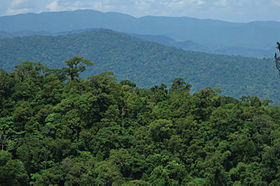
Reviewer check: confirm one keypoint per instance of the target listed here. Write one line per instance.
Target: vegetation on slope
(193, 46)
(254, 38)
(146, 63)
(167, 41)
(56, 128)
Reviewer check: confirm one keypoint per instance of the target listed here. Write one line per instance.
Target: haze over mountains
(146, 63)
(256, 39)
(54, 37)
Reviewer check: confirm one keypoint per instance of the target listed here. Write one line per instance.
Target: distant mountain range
(146, 63)
(256, 39)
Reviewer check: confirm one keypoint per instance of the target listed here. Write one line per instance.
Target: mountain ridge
(214, 34)
(146, 63)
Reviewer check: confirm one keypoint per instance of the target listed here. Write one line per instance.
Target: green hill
(146, 63)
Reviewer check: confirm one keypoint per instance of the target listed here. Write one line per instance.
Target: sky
(227, 10)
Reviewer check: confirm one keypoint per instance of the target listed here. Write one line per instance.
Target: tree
(178, 84)
(75, 65)
(277, 58)
(29, 70)
(102, 132)
(13, 173)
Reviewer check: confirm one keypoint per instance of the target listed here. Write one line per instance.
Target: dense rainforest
(146, 63)
(57, 128)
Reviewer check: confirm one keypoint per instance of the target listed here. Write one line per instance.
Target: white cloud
(53, 6)
(233, 10)
(221, 3)
(97, 6)
(200, 2)
(182, 3)
(142, 5)
(16, 7)
(16, 3)
(276, 2)
(16, 11)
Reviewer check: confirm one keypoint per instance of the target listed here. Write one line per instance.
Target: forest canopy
(56, 128)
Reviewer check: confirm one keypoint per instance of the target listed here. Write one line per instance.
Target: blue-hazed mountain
(251, 39)
(21, 34)
(186, 45)
(190, 45)
(146, 63)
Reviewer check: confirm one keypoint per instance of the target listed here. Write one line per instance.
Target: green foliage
(13, 173)
(101, 132)
(75, 65)
(277, 58)
(146, 63)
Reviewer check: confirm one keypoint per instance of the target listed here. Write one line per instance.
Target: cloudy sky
(229, 10)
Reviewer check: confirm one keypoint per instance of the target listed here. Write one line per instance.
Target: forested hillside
(146, 63)
(168, 41)
(57, 128)
(203, 47)
(250, 39)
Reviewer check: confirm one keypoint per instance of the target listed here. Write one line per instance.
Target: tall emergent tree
(277, 58)
(75, 65)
